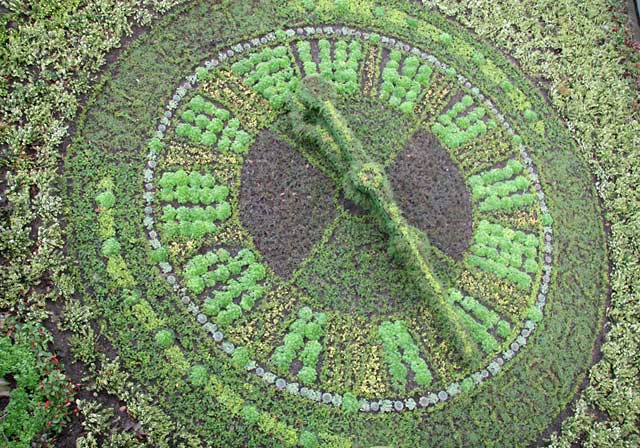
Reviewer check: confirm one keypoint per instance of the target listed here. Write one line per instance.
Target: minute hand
(365, 183)
(408, 243)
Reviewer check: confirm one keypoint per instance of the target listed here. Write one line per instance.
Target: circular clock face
(352, 230)
(263, 223)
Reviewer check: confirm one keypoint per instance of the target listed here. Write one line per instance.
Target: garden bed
(411, 254)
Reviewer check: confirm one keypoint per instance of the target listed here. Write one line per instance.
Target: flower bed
(343, 350)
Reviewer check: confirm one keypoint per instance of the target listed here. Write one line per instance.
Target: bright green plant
(240, 357)
(350, 403)
(164, 338)
(198, 375)
(110, 247)
(106, 199)
(308, 440)
(400, 349)
(302, 341)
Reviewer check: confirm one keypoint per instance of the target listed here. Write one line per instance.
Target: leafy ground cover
(206, 281)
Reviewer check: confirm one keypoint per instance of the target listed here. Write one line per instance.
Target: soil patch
(432, 194)
(285, 202)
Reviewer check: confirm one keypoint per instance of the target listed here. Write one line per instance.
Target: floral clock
(346, 219)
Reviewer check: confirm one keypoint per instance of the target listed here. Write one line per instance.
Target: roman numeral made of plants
(401, 351)
(507, 253)
(303, 343)
(235, 281)
(179, 188)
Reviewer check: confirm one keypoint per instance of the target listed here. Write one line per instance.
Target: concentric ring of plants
(329, 224)
(217, 311)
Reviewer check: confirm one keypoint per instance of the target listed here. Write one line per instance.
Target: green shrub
(110, 247)
(446, 39)
(240, 357)
(423, 376)
(503, 329)
(308, 440)
(467, 384)
(478, 58)
(530, 115)
(195, 284)
(106, 224)
(531, 266)
(309, 356)
(188, 116)
(164, 338)
(202, 121)
(198, 375)
(313, 331)
(227, 316)
(250, 414)
(159, 255)
(202, 73)
(106, 199)
(350, 403)
(307, 375)
(197, 104)
(534, 314)
(506, 86)
(118, 271)
(283, 356)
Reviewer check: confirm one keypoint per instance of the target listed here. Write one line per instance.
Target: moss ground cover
(227, 293)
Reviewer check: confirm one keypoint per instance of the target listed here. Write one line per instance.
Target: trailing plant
(39, 400)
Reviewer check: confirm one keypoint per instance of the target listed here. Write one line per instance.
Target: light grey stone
(293, 388)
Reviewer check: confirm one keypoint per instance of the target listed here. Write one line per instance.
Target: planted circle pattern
(340, 306)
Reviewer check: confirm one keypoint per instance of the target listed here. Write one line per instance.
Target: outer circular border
(399, 404)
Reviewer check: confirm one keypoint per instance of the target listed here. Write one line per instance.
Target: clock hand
(314, 117)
